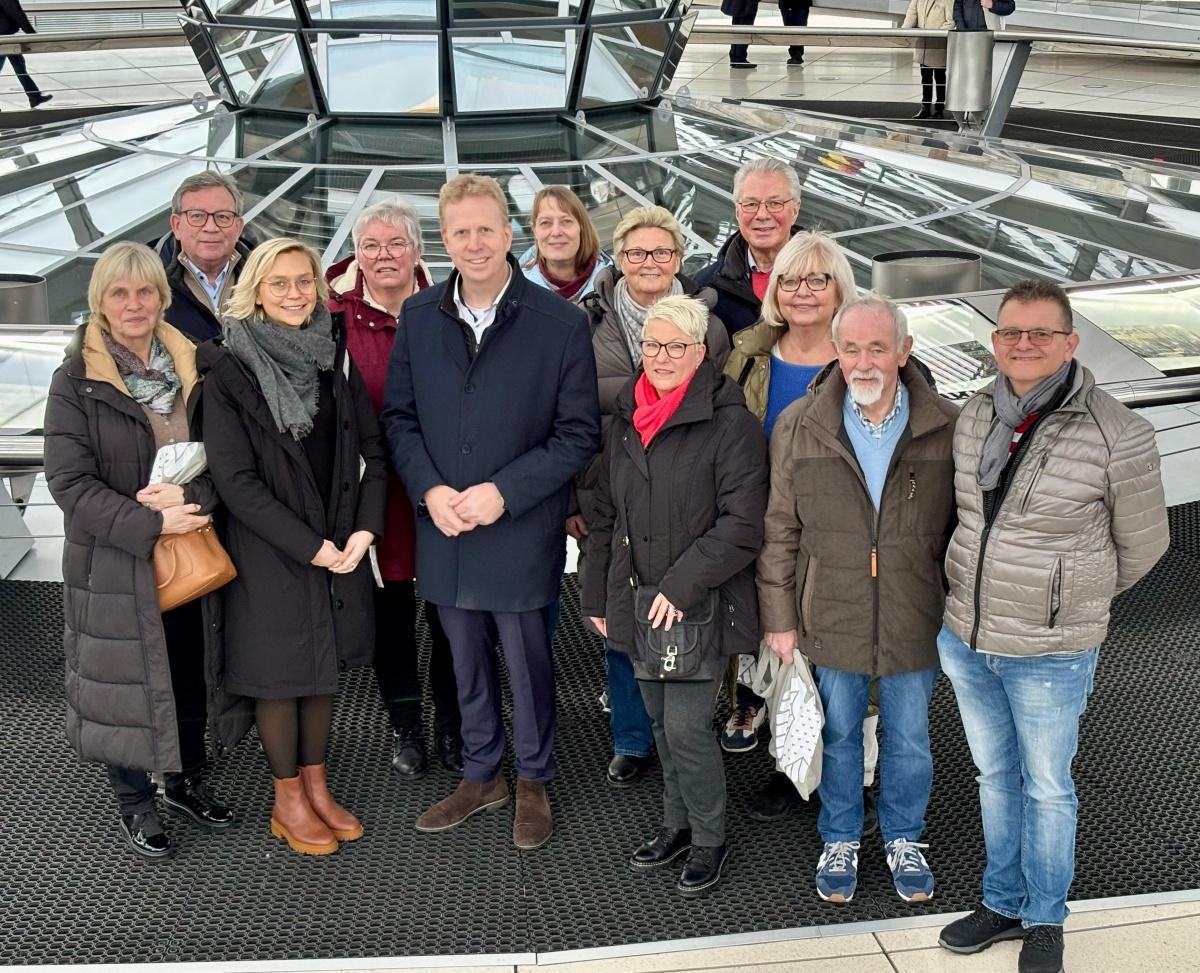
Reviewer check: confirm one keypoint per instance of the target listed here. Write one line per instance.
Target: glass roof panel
(282, 9)
(373, 9)
(135, 127)
(1158, 320)
(420, 191)
(708, 214)
(954, 340)
(606, 8)
(13, 261)
(358, 72)
(623, 62)
(21, 156)
(468, 10)
(513, 70)
(312, 209)
(264, 67)
(27, 361)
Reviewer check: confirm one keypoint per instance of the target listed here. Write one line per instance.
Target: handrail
(92, 40)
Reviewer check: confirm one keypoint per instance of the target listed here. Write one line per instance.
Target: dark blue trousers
(524, 637)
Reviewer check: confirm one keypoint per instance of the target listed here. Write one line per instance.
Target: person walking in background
(931, 15)
(1060, 508)
(12, 20)
(490, 411)
(678, 523)
(137, 694)
(566, 256)
(368, 289)
(295, 453)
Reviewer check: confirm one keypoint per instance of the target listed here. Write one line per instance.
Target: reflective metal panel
(281, 9)
(1159, 321)
(604, 8)
(264, 67)
(509, 71)
(468, 10)
(954, 340)
(378, 73)
(623, 62)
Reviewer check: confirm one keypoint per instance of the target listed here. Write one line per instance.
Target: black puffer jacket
(99, 453)
(290, 626)
(615, 366)
(685, 515)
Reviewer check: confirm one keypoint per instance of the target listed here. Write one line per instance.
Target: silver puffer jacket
(1082, 519)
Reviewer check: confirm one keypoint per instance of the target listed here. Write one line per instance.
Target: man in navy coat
(490, 410)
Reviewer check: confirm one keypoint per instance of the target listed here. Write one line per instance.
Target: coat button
(469, 387)
(466, 449)
(339, 604)
(88, 389)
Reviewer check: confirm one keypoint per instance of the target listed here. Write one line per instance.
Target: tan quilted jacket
(1082, 519)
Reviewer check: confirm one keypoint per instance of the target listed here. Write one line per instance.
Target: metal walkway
(70, 892)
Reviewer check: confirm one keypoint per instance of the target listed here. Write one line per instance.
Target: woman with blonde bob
(677, 526)
(135, 676)
(286, 419)
(566, 256)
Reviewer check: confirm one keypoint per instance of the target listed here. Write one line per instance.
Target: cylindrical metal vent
(924, 273)
(969, 70)
(23, 299)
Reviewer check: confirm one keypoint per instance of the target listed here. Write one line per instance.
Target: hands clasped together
(455, 512)
(177, 517)
(346, 560)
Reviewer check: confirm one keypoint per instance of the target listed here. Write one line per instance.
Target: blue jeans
(632, 733)
(905, 763)
(1021, 716)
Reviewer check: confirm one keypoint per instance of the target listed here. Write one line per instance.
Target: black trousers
(933, 80)
(18, 63)
(794, 17)
(740, 52)
(396, 667)
(184, 631)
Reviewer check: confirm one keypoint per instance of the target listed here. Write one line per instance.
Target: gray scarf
(1010, 413)
(286, 361)
(152, 384)
(632, 316)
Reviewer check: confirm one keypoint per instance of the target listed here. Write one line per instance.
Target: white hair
(688, 314)
(875, 304)
(767, 167)
(393, 213)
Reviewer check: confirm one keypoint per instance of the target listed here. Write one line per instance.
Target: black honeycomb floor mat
(70, 892)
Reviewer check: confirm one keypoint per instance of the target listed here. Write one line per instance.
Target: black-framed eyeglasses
(814, 282)
(199, 217)
(675, 349)
(371, 249)
(773, 205)
(1037, 336)
(660, 255)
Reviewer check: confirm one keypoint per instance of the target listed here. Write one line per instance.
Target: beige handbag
(187, 566)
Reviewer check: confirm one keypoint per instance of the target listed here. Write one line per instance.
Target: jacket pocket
(806, 595)
(1054, 602)
(1033, 481)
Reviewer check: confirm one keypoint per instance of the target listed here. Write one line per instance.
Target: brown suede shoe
(469, 798)
(533, 824)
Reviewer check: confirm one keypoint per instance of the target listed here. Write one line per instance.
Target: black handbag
(681, 652)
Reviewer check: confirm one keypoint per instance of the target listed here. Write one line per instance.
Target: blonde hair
(643, 218)
(688, 314)
(809, 253)
(568, 202)
(243, 301)
(134, 261)
(469, 184)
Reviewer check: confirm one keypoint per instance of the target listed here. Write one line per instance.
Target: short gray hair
(208, 180)
(874, 304)
(688, 314)
(767, 167)
(393, 213)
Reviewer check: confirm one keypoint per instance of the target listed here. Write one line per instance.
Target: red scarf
(568, 289)
(653, 410)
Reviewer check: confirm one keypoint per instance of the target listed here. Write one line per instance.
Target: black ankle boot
(449, 751)
(146, 835)
(408, 754)
(191, 797)
(662, 849)
(939, 111)
(926, 111)
(702, 871)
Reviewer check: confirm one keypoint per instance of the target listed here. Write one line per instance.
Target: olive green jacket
(749, 363)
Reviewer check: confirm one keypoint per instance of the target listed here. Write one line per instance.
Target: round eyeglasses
(280, 286)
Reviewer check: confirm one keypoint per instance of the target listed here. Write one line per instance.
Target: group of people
(752, 460)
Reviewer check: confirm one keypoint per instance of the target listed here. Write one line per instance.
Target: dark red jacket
(370, 332)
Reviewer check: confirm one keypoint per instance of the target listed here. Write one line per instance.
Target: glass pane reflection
(264, 67)
(606, 8)
(386, 73)
(1159, 321)
(623, 62)
(513, 9)
(254, 8)
(373, 9)
(26, 363)
(313, 209)
(514, 71)
(954, 340)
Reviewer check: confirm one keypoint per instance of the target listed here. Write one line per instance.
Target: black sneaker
(192, 798)
(775, 800)
(977, 931)
(1042, 951)
(449, 751)
(146, 835)
(408, 754)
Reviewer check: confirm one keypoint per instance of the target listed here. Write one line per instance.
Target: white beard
(866, 394)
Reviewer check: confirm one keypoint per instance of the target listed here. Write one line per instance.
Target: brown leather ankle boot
(468, 798)
(533, 824)
(344, 825)
(294, 820)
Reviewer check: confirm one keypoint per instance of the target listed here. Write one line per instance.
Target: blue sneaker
(837, 871)
(910, 872)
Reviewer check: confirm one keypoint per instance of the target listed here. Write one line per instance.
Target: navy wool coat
(522, 412)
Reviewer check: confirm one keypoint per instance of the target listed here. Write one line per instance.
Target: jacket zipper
(1037, 474)
(1056, 585)
(990, 519)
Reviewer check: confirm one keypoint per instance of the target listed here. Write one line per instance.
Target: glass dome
(437, 57)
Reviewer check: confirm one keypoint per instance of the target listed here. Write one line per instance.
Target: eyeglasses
(815, 282)
(1037, 336)
(749, 206)
(371, 249)
(675, 349)
(199, 217)
(279, 286)
(661, 255)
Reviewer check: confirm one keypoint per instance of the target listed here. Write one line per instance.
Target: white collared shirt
(479, 320)
(212, 289)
